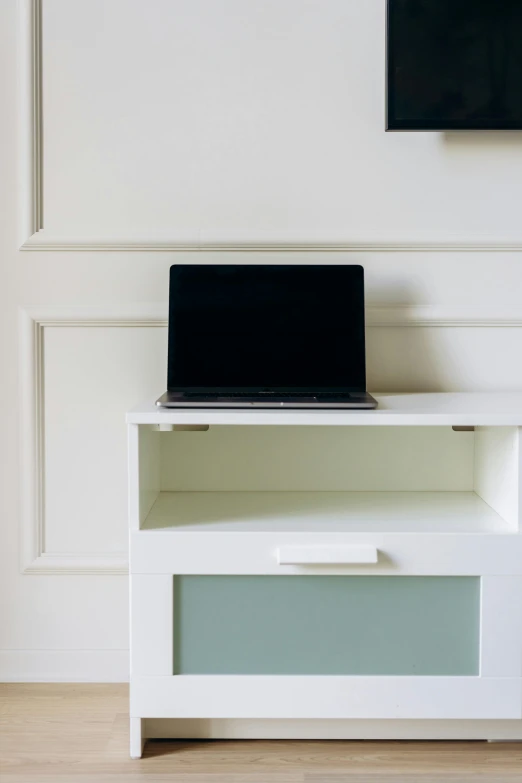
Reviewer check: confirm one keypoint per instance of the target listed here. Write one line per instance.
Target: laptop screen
(281, 328)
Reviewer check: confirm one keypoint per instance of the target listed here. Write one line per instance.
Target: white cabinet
(327, 566)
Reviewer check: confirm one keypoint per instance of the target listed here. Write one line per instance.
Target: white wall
(158, 128)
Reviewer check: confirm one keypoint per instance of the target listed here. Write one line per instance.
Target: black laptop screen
(266, 327)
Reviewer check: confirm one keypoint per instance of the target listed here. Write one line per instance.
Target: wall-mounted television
(454, 65)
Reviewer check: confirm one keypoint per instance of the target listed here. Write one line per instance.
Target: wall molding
(31, 125)
(33, 236)
(441, 316)
(33, 322)
(385, 315)
(41, 242)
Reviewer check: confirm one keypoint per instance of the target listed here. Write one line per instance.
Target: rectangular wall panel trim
(32, 216)
(34, 557)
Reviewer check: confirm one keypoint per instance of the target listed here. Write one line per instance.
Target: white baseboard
(64, 665)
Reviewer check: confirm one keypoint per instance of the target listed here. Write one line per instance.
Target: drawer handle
(327, 555)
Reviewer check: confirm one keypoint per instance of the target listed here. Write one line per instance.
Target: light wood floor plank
(79, 733)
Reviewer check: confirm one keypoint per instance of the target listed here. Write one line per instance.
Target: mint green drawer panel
(360, 625)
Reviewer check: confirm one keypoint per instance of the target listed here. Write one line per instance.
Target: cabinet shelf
(321, 512)
(436, 409)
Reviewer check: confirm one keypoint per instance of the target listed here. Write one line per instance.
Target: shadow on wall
(409, 358)
(497, 141)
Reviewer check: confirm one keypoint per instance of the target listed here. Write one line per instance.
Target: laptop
(266, 336)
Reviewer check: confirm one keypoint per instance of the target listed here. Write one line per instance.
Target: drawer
(336, 646)
(158, 552)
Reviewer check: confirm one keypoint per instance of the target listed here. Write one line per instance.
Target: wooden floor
(79, 733)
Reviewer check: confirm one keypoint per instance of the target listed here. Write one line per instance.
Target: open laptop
(285, 336)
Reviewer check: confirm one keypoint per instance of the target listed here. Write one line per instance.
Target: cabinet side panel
(149, 468)
(497, 470)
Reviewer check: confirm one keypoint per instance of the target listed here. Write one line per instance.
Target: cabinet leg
(137, 737)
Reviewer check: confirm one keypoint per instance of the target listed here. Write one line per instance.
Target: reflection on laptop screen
(266, 327)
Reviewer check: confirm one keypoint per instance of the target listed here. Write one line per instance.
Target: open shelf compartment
(329, 479)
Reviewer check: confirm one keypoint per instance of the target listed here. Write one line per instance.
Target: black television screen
(454, 65)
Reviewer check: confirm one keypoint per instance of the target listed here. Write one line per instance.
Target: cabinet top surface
(442, 409)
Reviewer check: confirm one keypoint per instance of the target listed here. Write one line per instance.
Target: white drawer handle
(327, 555)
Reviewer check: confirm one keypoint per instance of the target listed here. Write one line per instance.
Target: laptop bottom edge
(359, 401)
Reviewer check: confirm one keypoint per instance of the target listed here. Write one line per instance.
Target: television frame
(392, 124)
